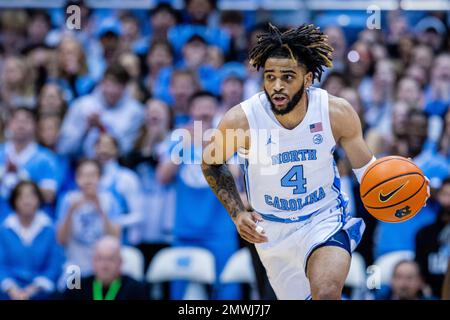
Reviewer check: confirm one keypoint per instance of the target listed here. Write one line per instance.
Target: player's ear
(308, 79)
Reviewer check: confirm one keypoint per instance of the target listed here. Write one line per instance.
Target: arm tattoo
(222, 182)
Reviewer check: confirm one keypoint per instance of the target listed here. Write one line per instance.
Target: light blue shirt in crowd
(87, 227)
(122, 121)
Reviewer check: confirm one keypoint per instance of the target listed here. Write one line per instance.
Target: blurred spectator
(195, 54)
(446, 284)
(334, 83)
(417, 73)
(417, 138)
(407, 282)
(108, 33)
(183, 85)
(107, 281)
(13, 25)
(51, 100)
(233, 76)
(394, 140)
(370, 37)
(432, 32)
(40, 59)
(38, 27)
(434, 161)
(48, 129)
(158, 203)
(85, 215)
(432, 242)
(30, 259)
(72, 71)
(444, 143)
(437, 94)
(21, 158)
(232, 21)
(17, 87)
(123, 184)
(409, 91)
(215, 57)
(159, 56)
(131, 38)
(136, 86)
(85, 34)
(205, 224)
(378, 95)
(162, 18)
(110, 108)
(201, 12)
(398, 26)
(337, 40)
(405, 49)
(422, 56)
(360, 67)
(2, 127)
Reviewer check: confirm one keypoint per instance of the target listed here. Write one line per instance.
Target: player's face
(284, 83)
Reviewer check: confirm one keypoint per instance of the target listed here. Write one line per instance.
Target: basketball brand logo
(318, 139)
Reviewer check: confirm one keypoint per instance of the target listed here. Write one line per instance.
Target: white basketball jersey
(291, 173)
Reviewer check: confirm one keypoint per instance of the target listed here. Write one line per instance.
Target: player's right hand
(246, 223)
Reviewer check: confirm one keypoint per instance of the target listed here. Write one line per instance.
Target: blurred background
(90, 92)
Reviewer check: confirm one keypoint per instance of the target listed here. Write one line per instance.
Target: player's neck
(296, 116)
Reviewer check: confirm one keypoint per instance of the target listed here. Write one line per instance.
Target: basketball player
(298, 219)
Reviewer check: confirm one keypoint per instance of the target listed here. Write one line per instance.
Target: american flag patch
(315, 127)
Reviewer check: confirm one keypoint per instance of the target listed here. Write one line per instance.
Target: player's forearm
(222, 182)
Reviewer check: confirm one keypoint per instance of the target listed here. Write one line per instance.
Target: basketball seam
(402, 175)
(393, 205)
(399, 158)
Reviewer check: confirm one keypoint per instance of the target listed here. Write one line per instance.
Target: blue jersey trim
(271, 217)
(246, 180)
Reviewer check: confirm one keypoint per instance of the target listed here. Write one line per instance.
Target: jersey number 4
(294, 178)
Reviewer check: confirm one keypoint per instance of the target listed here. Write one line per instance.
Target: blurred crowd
(86, 117)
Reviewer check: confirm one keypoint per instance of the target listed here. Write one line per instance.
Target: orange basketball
(393, 189)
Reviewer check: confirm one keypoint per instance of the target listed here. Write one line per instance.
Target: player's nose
(278, 87)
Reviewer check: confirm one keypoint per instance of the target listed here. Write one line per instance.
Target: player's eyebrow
(282, 71)
(288, 71)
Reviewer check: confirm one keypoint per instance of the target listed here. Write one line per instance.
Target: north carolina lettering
(294, 204)
(295, 156)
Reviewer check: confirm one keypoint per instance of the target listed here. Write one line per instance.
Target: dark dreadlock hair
(305, 44)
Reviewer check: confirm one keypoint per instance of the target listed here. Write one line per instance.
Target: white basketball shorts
(290, 243)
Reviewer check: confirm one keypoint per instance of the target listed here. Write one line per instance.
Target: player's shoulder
(235, 118)
(339, 107)
(343, 117)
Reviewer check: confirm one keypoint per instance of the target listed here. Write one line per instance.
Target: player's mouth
(279, 99)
